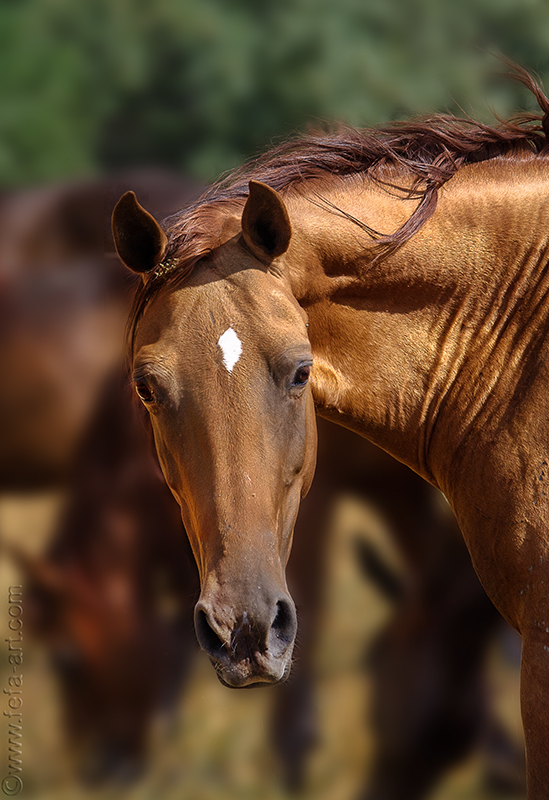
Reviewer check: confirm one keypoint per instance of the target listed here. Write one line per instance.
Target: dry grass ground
(219, 749)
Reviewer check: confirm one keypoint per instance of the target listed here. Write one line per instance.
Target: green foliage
(200, 85)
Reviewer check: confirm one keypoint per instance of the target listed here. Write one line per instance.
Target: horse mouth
(251, 675)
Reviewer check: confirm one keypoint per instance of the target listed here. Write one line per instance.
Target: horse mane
(427, 151)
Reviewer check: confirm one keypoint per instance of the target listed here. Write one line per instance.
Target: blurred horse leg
(430, 705)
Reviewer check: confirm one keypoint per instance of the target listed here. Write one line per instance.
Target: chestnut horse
(408, 265)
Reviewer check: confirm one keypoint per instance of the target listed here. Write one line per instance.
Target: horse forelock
(192, 233)
(414, 158)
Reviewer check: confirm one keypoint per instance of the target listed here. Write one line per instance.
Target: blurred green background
(199, 85)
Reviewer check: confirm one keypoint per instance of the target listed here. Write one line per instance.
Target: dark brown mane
(428, 151)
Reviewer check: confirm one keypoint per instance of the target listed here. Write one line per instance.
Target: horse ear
(138, 238)
(265, 223)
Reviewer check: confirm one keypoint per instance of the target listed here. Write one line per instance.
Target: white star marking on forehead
(231, 347)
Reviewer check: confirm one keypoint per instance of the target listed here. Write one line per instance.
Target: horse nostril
(273, 630)
(207, 637)
(283, 627)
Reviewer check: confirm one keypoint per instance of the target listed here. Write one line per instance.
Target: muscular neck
(416, 351)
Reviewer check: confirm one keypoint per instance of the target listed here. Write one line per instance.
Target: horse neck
(415, 350)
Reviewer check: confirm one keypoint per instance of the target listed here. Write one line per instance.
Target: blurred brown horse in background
(430, 340)
(112, 596)
(64, 299)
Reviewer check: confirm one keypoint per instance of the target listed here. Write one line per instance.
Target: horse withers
(409, 265)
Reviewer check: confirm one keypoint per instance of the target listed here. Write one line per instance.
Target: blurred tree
(200, 86)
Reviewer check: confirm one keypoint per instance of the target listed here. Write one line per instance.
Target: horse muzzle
(252, 647)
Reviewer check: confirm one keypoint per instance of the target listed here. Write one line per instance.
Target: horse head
(221, 361)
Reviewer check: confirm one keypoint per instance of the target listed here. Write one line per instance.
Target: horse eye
(143, 392)
(301, 376)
